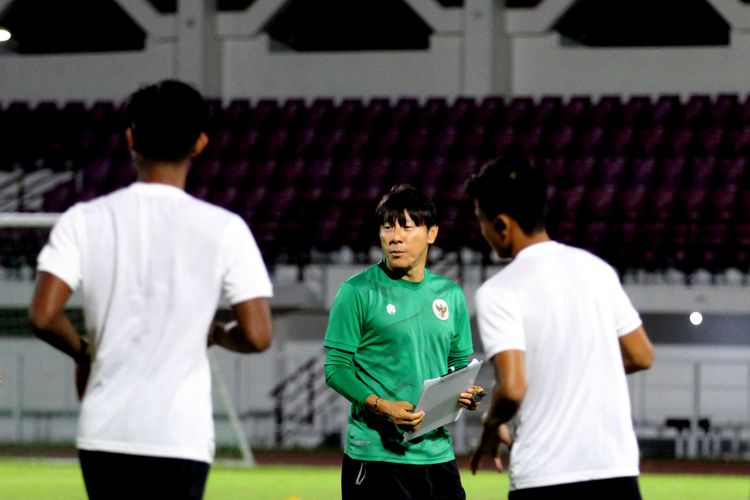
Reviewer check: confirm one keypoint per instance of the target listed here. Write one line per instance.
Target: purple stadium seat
(96, 175)
(599, 202)
(580, 170)
(219, 145)
(263, 113)
(695, 110)
(595, 238)
(274, 144)
(630, 202)
(201, 192)
(232, 173)
(699, 171)
(289, 172)
(738, 241)
(519, 111)
(723, 110)
(501, 141)
(250, 196)
(669, 171)
(529, 141)
(317, 172)
(236, 114)
(664, 109)
(730, 171)
(678, 141)
(223, 196)
(491, 112)
(636, 110)
(569, 201)
(610, 170)
(689, 204)
(576, 109)
(660, 203)
(720, 203)
(606, 109)
(320, 114)
(348, 113)
(557, 141)
(204, 172)
(345, 173)
(648, 141)
(123, 174)
(653, 254)
(330, 142)
(708, 141)
(588, 140)
(553, 169)
(737, 141)
(618, 141)
(292, 113)
(245, 141)
(260, 172)
(548, 111)
(461, 112)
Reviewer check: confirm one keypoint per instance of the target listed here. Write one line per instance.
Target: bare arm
(252, 332)
(637, 351)
(48, 320)
(507, 396)
(510, 387)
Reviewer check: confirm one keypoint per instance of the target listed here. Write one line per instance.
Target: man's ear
(129, 137)
(200, 144)
(432, 233)
(502, 224)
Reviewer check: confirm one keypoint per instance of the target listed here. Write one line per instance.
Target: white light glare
(4, 35)
(696, 318)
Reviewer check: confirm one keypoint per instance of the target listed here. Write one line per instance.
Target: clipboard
(439, 398)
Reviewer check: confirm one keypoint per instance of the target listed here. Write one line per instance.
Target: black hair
(405, 198)
(166, 119)
(510, 186)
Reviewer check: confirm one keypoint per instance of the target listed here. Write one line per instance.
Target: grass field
(61, 480)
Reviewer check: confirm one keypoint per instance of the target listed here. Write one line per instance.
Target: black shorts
(115, 476)
(616, 488)
(365, 480)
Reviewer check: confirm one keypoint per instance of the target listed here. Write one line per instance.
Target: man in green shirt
(391, 327)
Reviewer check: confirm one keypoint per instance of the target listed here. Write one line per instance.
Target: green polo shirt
(400, 333)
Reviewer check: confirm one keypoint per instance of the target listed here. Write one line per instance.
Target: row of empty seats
(66, 135)
(632, 179)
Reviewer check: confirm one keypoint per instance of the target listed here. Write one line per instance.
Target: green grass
(61, 480)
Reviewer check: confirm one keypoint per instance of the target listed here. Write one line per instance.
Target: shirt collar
(542, 248)
(156, 188)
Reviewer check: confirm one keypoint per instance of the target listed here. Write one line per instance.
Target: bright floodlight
(4, 35)
(696, 318)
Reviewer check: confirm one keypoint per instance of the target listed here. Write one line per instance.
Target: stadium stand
(665, 174)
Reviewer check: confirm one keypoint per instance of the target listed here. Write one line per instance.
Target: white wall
(511, 52)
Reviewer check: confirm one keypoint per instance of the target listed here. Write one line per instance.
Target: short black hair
(510, 186)
(405, 198)
(166, 119)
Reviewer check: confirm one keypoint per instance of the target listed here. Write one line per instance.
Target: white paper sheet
(439, 398)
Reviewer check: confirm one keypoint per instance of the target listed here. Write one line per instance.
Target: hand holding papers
(439, 398)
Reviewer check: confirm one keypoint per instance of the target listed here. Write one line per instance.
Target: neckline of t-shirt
(157, 187)
(400, 281)
(538, 248)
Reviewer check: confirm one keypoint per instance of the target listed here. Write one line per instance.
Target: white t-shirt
(152, 263)
(566, 309)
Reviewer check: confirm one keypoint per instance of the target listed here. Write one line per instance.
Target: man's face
(405, 247)
(498, 241)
